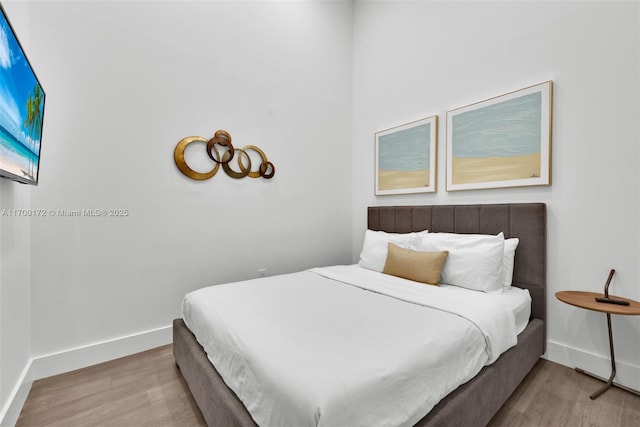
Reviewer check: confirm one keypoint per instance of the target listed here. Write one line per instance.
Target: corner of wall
(10, 412)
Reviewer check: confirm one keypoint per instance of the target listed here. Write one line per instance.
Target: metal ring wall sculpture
(221, 144)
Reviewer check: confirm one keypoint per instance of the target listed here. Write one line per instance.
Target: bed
(471, 404)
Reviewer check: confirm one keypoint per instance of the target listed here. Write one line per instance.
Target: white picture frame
(503, 141)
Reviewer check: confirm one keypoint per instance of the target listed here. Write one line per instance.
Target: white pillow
(374, 248)
(510, 246)
(474, 261)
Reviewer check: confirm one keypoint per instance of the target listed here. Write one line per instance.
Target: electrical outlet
(262, 272)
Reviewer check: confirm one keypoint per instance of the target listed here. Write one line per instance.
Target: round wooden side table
(587, 300)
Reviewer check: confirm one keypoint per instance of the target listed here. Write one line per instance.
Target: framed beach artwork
(501, 142)
(406, 158)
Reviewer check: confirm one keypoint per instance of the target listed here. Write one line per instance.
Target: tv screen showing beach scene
(21, 110)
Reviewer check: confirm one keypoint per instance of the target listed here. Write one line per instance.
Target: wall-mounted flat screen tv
(21, 110)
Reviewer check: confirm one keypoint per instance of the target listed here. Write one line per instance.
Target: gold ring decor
(257, 173)
(243, 171)
(264, 167)
(222, 138)
(178, 155)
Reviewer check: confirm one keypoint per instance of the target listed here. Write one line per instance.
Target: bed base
(472, 404)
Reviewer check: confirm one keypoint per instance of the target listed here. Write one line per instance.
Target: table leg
(608, 382)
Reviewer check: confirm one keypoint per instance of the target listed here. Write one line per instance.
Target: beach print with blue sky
(498, 142)
(404, 157)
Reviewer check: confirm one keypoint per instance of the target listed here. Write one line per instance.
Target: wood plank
(145, 389)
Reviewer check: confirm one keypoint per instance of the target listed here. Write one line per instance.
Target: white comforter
(344, 346)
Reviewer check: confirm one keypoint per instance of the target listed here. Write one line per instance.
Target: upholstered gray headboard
(527, 221)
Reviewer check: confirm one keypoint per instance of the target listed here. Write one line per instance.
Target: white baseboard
(77, 358)
(627, 374)
(10, 413)
(92, 354)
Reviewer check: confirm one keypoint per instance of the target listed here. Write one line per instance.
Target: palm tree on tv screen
(33, 121)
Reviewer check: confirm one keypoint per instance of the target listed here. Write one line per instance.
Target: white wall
(125, 81)
(15, 270)
(416, 59)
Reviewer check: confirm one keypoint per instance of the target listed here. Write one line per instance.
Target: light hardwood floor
(147, 389)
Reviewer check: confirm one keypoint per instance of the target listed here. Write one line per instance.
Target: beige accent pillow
(418, 266)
